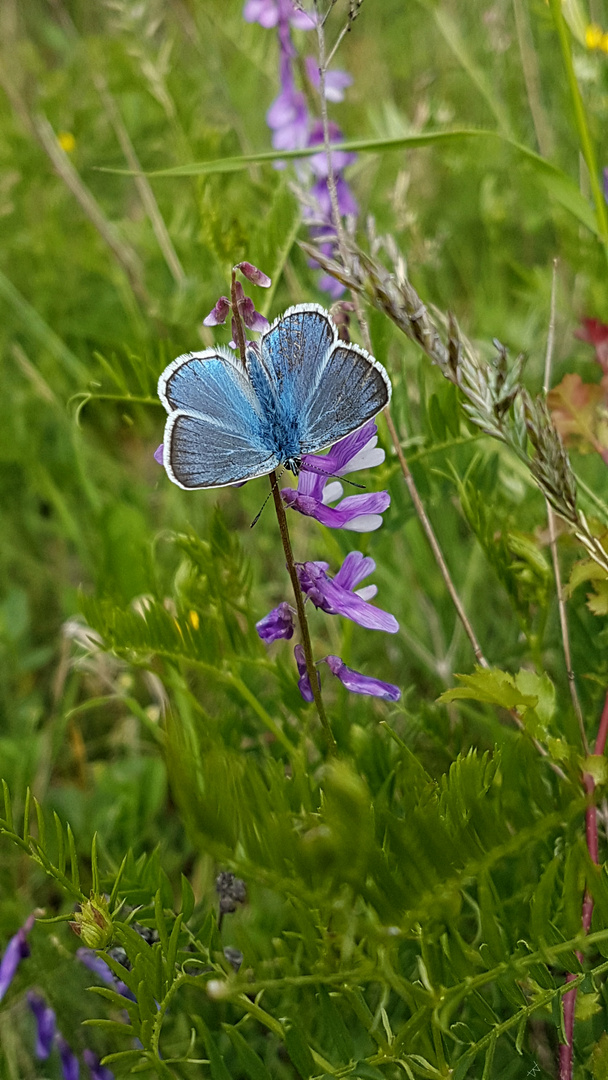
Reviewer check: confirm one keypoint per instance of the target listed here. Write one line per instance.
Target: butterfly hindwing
(198, 454)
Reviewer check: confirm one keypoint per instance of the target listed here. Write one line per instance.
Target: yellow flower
(194, 620)
(604, 43)
(66, 141)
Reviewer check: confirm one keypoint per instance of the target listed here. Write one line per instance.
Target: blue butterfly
(300, 391)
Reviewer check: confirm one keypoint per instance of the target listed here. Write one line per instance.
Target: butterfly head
(294, 464)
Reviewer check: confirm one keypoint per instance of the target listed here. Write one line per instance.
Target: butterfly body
(300, 390)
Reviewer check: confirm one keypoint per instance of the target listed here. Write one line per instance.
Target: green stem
(586, 145)
(311, 670)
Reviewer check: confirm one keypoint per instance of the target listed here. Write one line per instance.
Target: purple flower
(257, 277)
(267, 13)
(70, 1069)
(287, 118)
(304, 682)
(99, 967)
(357, 513)
(158, 454)
(277, 624)
(352, 680)
(335, 81)
(361, 684)
(339, 158)
(45, 1024)
(217, 315)
(98, 1072)
(336, 595)
(249, 315)
(16, 951)
(347, 204)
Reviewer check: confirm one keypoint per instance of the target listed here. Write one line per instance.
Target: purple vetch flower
(267, 13)
(336, 82)
(352, 680)
(251, 272)
(218, 314)
(337, 596)
(357, 513)
(249, 315)
(277, 624)
(347, 204)
(70, 1069)
(97, 1071)
(304, 682)
(287, 118)
(16, 950)
(361, 684)
(339, 158)
(45, 1024)
(99, 967)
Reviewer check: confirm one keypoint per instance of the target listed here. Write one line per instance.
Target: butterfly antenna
(261, 510)
(332, 476)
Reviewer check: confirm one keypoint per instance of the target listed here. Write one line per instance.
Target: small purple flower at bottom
(352, 680)
(97, 1071)
(16, 950)
(337, 596)
(70, 1069)
(304, 682)
(277, 624)
(45, 1024)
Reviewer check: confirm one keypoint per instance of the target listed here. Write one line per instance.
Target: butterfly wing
(216, 433)
(350, 390)
(322, 387)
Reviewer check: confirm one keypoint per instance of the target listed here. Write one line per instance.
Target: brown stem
(311, 671)
(237, 322)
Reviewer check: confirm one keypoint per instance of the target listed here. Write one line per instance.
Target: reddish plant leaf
(580, 413)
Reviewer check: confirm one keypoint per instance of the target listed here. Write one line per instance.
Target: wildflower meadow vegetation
(304, 778)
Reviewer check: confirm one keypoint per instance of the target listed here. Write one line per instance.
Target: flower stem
(311, 671)
(237, 322)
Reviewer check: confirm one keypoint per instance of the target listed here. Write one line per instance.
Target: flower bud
(93, 923)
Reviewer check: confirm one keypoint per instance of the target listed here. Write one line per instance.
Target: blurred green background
(104, 278)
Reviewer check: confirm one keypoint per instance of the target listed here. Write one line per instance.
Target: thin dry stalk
(561, 602)
(141, 181)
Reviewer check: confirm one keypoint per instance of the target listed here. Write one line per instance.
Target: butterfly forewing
(352, 389)
(216, 433)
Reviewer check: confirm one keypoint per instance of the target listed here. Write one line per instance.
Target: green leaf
(187, 899)
(298, 1049)
(216, 1061)
(560, 186)
(251, 1064)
